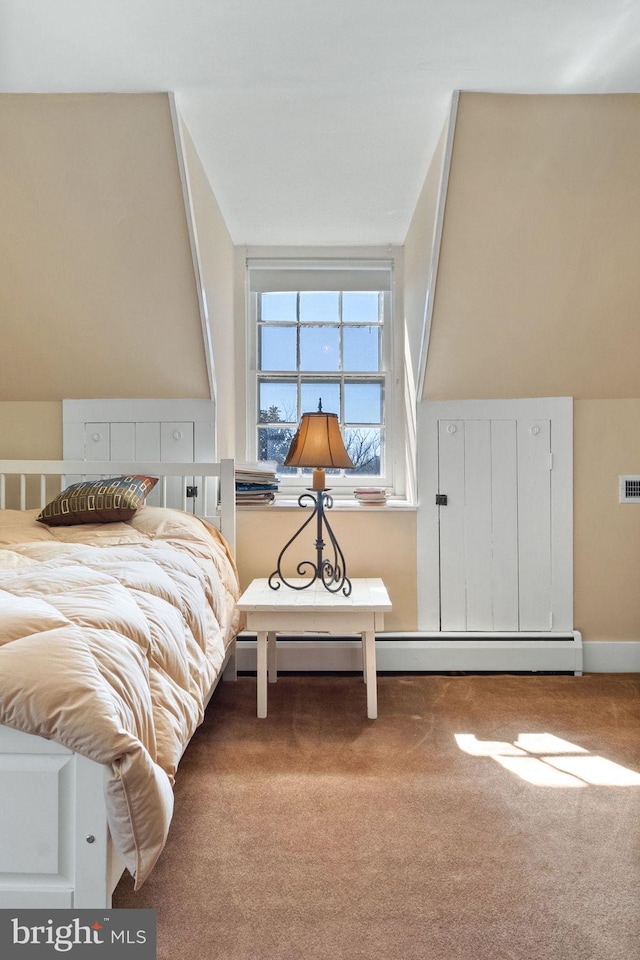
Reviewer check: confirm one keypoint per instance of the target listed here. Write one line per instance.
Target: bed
(113, 636)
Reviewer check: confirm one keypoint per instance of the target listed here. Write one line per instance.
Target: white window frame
(393, 478)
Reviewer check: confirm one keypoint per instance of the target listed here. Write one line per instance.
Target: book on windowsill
(253, 498)
(256, 482)
(371, 496)
(259, 471)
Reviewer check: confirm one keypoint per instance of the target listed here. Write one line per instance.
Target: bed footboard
(55, 849)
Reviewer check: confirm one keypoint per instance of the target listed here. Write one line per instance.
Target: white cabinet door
(138, 431)
(495, 534)
(497, 557)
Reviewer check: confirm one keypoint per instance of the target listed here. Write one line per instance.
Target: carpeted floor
(472, 819)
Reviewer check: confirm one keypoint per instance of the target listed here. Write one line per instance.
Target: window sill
(291, 503)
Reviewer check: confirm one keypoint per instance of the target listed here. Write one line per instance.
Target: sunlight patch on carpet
(555, 762)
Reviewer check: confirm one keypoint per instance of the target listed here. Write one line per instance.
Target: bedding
(111, 637)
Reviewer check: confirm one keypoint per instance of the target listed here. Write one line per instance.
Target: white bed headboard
(215, 483)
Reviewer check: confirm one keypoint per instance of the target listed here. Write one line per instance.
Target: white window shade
(267, 276)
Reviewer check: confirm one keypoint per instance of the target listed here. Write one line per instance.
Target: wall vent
(629, 489)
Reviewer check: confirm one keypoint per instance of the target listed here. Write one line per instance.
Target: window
(321, 334)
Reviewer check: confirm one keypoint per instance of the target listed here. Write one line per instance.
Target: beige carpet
(317, 834)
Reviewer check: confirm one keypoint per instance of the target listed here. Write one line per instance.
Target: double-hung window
(321, 338)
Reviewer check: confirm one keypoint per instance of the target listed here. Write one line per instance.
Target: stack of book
(256, 482)
(371, 496)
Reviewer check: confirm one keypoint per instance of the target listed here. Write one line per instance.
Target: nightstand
(315, 610)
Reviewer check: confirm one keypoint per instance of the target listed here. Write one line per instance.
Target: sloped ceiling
(97, 292)
(316, 119)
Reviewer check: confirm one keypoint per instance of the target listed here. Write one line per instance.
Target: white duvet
(111, 636)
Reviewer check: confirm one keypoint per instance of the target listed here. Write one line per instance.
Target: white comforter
(110, 639)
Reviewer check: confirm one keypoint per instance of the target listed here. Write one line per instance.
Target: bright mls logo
(104, 934)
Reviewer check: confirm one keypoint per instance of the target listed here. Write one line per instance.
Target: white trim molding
(437, 244)
(428, 653)
(612, 656)
(194, 243)
(419, 653)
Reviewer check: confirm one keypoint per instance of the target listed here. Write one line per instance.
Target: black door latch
(441, 499)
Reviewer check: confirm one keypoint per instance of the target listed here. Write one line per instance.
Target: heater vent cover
(630, 489)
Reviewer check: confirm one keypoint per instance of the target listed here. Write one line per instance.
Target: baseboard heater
(422, 652)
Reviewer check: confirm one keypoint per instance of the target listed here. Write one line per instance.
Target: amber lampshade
(318, 443)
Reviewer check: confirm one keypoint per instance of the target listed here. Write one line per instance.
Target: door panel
(123, 441)
(499, 556)
(495, 531)
(534, 524)
(176, 442)
(477, 524)
(148, 441)
(504, 514)
(170, 442)
(97, 441)
(451, 481)
(147, 447)
(176, 446)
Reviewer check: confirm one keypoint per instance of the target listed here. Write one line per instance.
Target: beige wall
(97, 292)
(538, 286)
(538, 294)
(91, 193)
(30, 430)
(607, 533)
(374, 544)
(217, 262)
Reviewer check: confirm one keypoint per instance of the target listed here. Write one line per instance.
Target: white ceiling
(316, 119)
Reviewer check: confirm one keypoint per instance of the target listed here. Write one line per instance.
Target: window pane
(278, 402)
(319, 348)
(319, 345)
(363, 446)
(363, 402)
(360, 307)
(277, 307)
(361, 348)
(312, 391)
(273, 444)
(319, 307)
(277, 348)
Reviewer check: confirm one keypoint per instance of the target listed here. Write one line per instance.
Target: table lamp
(317, 443)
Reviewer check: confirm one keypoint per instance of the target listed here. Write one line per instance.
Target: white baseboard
(403, 654)
(611, 656)
(443, 653)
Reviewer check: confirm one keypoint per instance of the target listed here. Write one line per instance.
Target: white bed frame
(55, 848)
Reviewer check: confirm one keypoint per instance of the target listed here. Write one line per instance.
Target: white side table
(315, 610)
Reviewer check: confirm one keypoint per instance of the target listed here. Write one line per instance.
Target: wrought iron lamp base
(332, 573)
